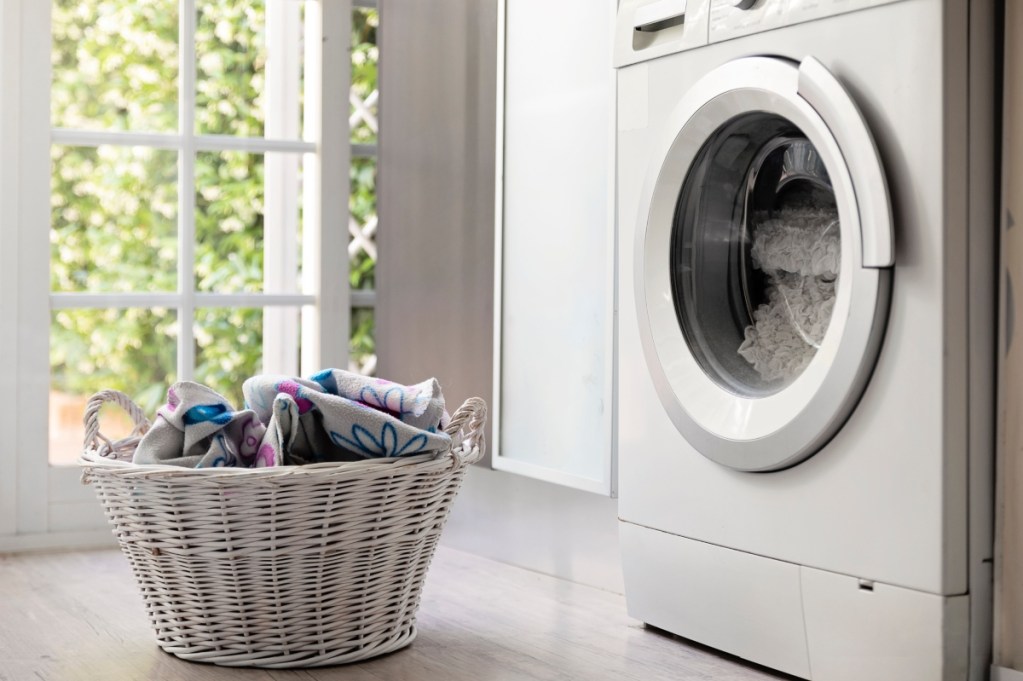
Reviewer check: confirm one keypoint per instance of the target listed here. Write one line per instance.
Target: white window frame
(43, 506)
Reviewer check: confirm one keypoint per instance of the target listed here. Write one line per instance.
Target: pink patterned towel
(333, 416)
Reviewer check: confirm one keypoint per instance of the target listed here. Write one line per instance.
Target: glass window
(115, 65)
(114, 215)
(177, 197)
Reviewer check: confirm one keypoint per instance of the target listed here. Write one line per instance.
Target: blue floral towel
(337, 415)
(198, 428)
(333, 416)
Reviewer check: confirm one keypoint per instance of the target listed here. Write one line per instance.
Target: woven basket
(297, 566)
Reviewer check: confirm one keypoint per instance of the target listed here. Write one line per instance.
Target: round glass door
(755, 254)
(762, 262)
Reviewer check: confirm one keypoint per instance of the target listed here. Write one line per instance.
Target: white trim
(1005, 674)
(251, 144)
(64, 301)
(326, 329)
(495, 401)
(156, 140)
(553, 475)
(253, 299)
(281, 185)
(364, 151)
(45, 541)
(611, 342)
(9, 248)
(363, 298)
(96, 138)
(186, 192)
(33, 321)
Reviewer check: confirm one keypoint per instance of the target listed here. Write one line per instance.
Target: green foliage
(93, 351)
(115, 64)
(114, 219)
(362, 203)
(365, 58)
(362, 332)
(115, 209)
(228, 344)
(230, 47)
(229, 222)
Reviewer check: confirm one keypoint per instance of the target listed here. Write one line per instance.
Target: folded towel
(198, 428)
(337, 416)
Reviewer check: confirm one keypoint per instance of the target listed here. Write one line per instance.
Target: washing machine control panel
(735, 18)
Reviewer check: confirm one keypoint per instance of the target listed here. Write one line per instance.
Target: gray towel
(338, 415)
(198, 428)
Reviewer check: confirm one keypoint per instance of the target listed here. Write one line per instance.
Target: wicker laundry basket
(297, 566)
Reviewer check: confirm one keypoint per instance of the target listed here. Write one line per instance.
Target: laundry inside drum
(755, 254)
(798, 250)
(792, 232)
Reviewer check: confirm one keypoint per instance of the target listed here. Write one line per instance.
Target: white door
(764, 262)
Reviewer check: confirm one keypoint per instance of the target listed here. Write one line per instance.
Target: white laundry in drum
(799, 252)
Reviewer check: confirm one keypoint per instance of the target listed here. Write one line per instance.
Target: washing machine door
(764, 258)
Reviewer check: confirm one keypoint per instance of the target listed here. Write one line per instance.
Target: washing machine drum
(763, 262)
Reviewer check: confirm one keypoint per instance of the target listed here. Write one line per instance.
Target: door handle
(827, 96)
(657, 15)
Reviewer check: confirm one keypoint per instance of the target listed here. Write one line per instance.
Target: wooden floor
(76, 616)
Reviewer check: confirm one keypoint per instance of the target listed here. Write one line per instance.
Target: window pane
(114, 219)
(115, 64)
(362, 203)
(249, 68)
(229, 349)
(132, 350)
(247, 222)
(362, 348)
(362, 114)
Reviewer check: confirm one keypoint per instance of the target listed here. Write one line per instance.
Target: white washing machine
(806, 216)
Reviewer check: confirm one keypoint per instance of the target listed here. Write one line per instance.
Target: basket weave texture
(297, 566)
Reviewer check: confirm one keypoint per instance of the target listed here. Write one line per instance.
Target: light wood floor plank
(77, 617)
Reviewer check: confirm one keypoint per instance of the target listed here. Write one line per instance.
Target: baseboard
(1005, 674)
(57, 541)
(539, 526)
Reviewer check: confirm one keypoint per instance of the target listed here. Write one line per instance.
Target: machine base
(811, 623)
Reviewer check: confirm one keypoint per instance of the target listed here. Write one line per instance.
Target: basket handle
(102, 444)
(469, 420)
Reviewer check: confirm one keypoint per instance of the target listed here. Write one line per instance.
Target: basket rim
(90, 459)
(465, 429)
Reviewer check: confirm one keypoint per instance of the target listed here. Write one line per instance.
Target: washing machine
(806, 196)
